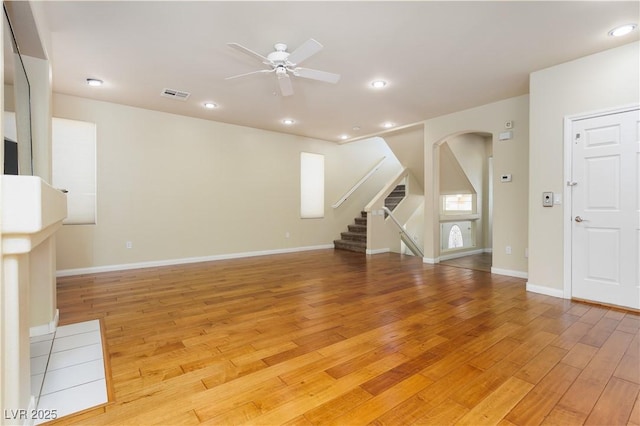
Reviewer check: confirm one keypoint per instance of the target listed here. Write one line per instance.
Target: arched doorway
(464, 193)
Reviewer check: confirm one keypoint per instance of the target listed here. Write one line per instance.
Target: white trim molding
(430, 260)
(460, 254)
(170, 262)
(378, 251)
(509, 273)
(547, 291)
(41, 330)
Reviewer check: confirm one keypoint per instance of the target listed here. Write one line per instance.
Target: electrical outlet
(507, 250)
(129, 244)
(547, 199)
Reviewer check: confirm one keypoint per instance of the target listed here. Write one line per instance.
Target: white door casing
(605, 208)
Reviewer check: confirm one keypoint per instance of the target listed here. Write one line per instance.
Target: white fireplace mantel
(32, 211)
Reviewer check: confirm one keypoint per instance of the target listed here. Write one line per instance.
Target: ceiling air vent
(175, 94)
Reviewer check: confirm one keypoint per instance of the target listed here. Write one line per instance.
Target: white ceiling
(438, 57)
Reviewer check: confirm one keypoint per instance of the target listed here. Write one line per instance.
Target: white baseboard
(433, 260)
(41, 330)
(460, 254)
(547, 291)
(170, 262)
(509, 273)
(378, 251)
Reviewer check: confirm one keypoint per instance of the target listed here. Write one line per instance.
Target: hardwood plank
(585, 391)
(494, 354)
(561, 417)
(447, 413)
(537, 404)
(397, 374)
(615, 404)
(239, 415)
(423, 405)
(630, 324)
(541, 364)
(634, 417)
(600, 332)
(336, 407)
(331, 337)
(572, 335)
(580, 355)
(629, 367)
(383, 402)
(484, 384)
(495, 406)
(593, 315)
(530, 347)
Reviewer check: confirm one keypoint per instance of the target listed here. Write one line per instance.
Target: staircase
(355, 239)
(394, 198)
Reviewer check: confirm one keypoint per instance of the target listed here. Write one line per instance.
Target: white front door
(605, 262)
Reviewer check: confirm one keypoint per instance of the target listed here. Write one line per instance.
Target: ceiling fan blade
(249, 52)
(328, 77)
(249, 73)
(286, 88)
(307, 49)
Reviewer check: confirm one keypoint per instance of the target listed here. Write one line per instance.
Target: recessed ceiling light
(388, 125)
(288, 121)
(344, 137)
(210, 105)
(622, 30)
(94, 82)
(356, 128)
(378, 84)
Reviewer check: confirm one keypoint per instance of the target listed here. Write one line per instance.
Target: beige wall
(510, 218)
(453, 177)
(185, 188)
(605, 80)
(408, 145)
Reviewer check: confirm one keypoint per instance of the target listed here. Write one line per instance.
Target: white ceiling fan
(283, 64)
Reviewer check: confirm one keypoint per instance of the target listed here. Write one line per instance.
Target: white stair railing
(357, 185)
(404, 236)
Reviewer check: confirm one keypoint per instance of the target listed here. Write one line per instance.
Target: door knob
(579, 219)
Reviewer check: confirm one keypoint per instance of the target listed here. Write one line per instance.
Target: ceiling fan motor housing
(278, 57)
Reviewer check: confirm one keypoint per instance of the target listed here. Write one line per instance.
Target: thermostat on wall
(504, 136)
(505, 178)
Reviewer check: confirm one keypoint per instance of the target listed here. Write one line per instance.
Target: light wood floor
(335, 337)
(479, 262)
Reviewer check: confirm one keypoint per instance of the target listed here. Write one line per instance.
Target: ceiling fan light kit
(285, 64)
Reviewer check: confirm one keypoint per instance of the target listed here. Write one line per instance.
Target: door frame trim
(567, 211)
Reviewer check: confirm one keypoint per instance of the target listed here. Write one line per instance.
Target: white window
(311, 185)
(74, 167)
(457, 203)
(455, 237)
